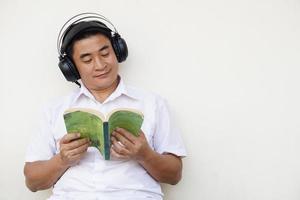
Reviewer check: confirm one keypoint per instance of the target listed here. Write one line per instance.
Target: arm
(42, 175)
(165, 168)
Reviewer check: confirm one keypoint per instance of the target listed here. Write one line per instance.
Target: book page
(129, 119)
(89, 110)
(88, 125)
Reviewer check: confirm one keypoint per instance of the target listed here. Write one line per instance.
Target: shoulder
(56, 105)
(61, 101)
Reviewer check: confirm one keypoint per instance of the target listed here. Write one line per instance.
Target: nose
(99, 64)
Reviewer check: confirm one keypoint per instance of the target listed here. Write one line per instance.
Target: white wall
(230, 70)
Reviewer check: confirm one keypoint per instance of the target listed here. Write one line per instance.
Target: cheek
(115, 70)
(84, 71)
(114, 65)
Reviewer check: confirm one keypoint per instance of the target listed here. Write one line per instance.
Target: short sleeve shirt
(96, 178)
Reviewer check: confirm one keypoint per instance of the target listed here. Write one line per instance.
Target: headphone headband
(78, 18)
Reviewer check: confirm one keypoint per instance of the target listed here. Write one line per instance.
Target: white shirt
(96, 178)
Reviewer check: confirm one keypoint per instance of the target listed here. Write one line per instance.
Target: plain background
(229, 69)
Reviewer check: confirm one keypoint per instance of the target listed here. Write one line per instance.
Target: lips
(102, 75)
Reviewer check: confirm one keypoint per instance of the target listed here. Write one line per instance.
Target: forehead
(90, 43)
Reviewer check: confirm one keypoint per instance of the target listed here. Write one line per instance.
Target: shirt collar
(122, 89)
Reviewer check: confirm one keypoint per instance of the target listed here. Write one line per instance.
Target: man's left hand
(127, 146)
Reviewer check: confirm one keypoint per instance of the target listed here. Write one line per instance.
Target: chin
(104, 83)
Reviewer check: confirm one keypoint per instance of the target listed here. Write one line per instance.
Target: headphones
(77, 25)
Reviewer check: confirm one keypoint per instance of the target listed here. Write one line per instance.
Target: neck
(101, 94)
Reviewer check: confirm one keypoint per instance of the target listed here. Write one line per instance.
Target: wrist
(60, 163)
(147, 156)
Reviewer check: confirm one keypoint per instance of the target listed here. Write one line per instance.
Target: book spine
(106, 141)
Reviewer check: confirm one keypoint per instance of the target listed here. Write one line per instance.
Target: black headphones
(84, 22)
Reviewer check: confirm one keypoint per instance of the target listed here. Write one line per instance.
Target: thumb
(69, 137)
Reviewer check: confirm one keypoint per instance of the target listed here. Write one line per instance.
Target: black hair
(86, 34)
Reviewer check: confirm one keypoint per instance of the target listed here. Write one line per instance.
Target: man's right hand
(72, 148)
(44, 174)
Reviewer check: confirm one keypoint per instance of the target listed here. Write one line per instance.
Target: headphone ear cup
(68, 69)
(120, 48)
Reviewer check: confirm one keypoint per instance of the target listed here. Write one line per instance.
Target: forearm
(42, 175)
(165, 168)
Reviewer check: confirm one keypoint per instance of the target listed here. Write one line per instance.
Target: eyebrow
(87, 54)
(103, 48)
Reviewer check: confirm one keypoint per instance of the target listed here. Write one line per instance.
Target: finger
(69, 155)
(69, 137)
(119, 148)
(117, 143)
(114, 140)
(73, 144)
(127, 143)
(76, 157)
(114, 154)
(77, 143)
(126, 134)
(79, 150)
(142, 134)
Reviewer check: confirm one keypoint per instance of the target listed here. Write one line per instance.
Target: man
(67, 163)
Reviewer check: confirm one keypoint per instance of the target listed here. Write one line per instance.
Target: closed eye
(105, 55)
(87, 61)
(104, 51)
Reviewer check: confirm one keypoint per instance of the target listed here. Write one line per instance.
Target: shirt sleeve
(42, 145)
(167, 138)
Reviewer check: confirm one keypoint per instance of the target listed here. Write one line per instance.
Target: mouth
(103, 75)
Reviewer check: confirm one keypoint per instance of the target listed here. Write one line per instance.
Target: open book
(98, 128)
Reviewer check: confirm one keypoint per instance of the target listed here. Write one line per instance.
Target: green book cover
(94, 125)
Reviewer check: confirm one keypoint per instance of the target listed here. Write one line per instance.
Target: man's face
(96, 62)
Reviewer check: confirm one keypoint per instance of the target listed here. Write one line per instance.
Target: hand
(127, 146)
(72, 148)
